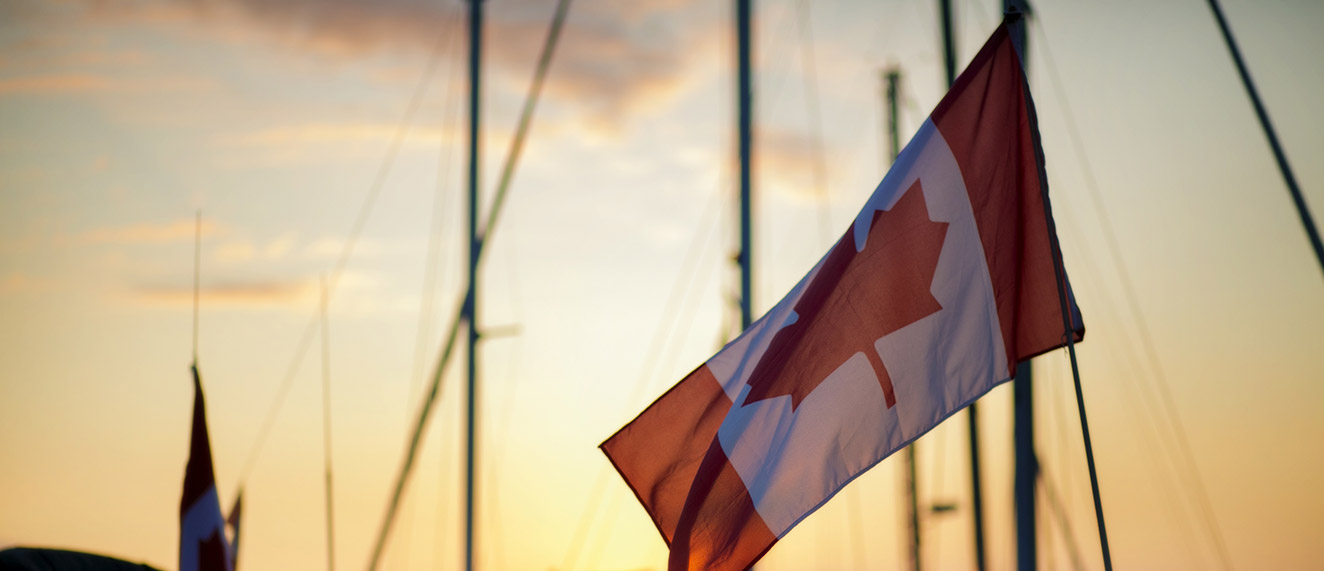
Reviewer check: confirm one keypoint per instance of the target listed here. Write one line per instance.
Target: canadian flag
(943, 283)
(202, 544)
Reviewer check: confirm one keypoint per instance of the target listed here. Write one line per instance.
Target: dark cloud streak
(615, 58)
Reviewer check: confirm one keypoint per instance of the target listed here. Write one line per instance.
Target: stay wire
(512, 157)
(814, 110)
(666, 337)
(1147, 344)
(1068, 328)
(1064, 524)
(365, 210)
(1302, 210)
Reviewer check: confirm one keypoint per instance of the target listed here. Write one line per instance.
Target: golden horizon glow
(119, 122)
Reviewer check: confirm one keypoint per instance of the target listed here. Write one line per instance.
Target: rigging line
(428, 314)
(613, 512)
(856, 525)
(939, 445)
(441, 203)
(1142, 409)
(499, 450)
(580, 536)
(1144, 413)
(365, 209)
(1302, 209)
(440, 206)
(498, 204)
(657, 347)
(440, 524)
(1129, 293)
(1068, 330)
(812, 107)
(326, 433)
(526, 117)
(1064, 524)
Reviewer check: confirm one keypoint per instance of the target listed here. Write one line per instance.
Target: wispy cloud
(243, 250)
(75, 83)
(333, 133)
(150, 233)
(20, 282)
(54, 83)
(614, 57)
(789, 158)
(257, 293)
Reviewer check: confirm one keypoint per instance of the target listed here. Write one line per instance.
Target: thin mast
(326, 434)
(893, 78)
(976, 487)
(1302, 209)
(744, 96)
(462, 315)
(471, 299)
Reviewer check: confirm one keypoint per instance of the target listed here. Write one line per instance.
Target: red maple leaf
(856, 299)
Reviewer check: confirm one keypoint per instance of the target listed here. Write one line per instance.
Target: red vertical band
(659, 452)
(985, 122)
(719, 530)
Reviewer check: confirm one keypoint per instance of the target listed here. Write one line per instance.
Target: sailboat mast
(744, 97)
(1022, 388)
(893, 79)
(976, 487)
(471, 299)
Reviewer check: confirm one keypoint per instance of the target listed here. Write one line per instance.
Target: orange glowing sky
(609, 276)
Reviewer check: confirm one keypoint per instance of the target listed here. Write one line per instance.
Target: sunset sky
(610, 274)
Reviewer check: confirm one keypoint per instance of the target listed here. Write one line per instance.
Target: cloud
(614, 58)
(256, 293)
(19, 282)
(54, 83)
(62, 83)
(332, 133)
(788, 160)
(240, 251)
(331, 248)
(150, 233)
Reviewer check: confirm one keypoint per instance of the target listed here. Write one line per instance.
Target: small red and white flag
(202, 543)
(943, 283)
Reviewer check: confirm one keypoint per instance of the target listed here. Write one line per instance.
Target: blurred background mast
(471, 299)
(976, 489)
(1022, 390)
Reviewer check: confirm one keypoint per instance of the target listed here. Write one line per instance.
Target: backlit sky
(609, 276)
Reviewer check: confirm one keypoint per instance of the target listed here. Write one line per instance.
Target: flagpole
(1016, 21)
(976, 487)
(471, 299)
(197, 272)
(1302, 209)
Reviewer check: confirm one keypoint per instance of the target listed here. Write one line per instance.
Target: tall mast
(976, 489)
(471, 299)
(744, 97)
(893, 79)
(1022, 388)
